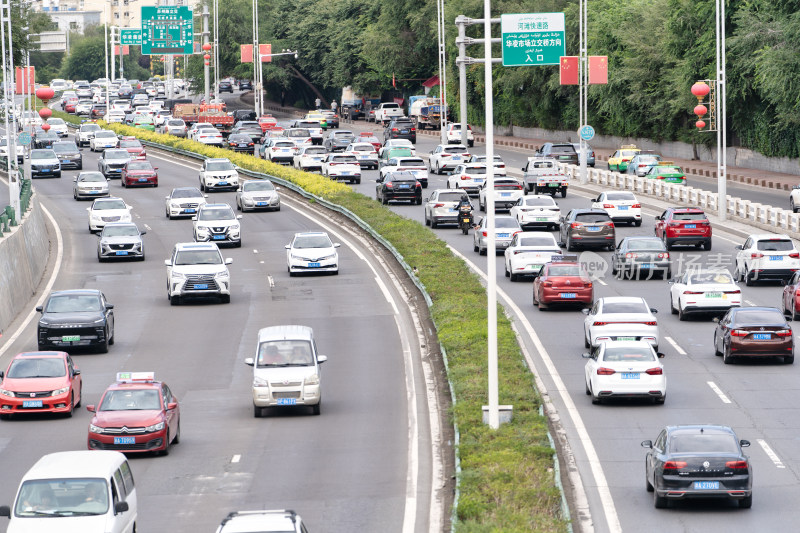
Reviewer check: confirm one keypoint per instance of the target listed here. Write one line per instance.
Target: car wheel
(586, 384)
(225, 298)
(175, 300)
(707, 245)
(68, 414)
(505, 265)
(746, 503)
(481, 206)
(792, 206)
(513, 277)
(586, 343)
(316, 409)
(596, 400)
(637, 223)
(482, 251)
(659, 502)
(103, 348)
(569, 244)
(427, 220)
(748, 279)
(648, 485)
(727, 358)
(165, 451)
(660, 401)
(564, 195)
(80, 397)
(682, 316)
(435, 224)
(177, 439)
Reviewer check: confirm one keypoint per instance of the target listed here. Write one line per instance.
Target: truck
(425, 112)
(386, 111)
(217, 118)
(186, 112)
(542, 175)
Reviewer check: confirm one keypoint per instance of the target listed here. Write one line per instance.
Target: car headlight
(202, 229)
(332, 256)
(260, 382)
(96, 429)
(223, 274)
(99, 321)
(59, 392)
(299, 258)
(234, 226)
(313, 379)
(178, 275)
(155, 427)
(8, 393)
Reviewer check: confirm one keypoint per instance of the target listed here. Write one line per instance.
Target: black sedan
(44, 139)
(401, 186)
(225, 87)
(80, 318)
(240, 142)
(697, 461)
(245, 85)
(753, 332)
(69, 154)
(641, 257)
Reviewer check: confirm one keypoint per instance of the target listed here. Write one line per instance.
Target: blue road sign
(586, 132)
(24, 138)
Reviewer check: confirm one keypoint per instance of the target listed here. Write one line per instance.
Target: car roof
(117, 385)
(196, 246)
(288, 332)
(691, 428)
(217, 205)
(582, 210)
(769, 236)
(217, 159)
(247, 521)
(686, 210)
(754, 308)
(41, 354)
(83, 292)
(78, 464)
(621, 299)
(626, 344)
(462, 191)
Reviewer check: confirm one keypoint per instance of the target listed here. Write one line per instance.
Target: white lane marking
(48, 287)
(675, 345)
(607, 501)
(148, 228)
(255, 251)
(175, 162)
(271, 280)
(236, 458)
(718, 392)
(771, 454)
(748, 302)
(601, 282)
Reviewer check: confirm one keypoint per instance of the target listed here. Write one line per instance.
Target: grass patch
(507, 478)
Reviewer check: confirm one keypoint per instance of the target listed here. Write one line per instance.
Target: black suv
(398, 186)
(76, 318)
(225, 87)
(245, 85)
(401, 128)
(561, 152)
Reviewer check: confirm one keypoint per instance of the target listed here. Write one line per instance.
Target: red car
(135, 414)
(139, 172)
(563, 283)
(791, 297)
(133, 146)
(40, 382)
(684, 225)
(369, 137)
(753, 331)
(267, 122)
(70, 103)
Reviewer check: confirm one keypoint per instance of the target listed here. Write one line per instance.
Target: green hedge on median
(507, 477)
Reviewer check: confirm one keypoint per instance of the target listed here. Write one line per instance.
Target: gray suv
(587, 227)
(561, 152)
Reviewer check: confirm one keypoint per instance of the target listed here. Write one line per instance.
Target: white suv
(342, 167)
(286, 370)
(86, 133)
(766, 256)
(217, 223)
(218, 174)
(263, 521)
(197, 270)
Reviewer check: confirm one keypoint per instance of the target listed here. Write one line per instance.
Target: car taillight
(575, 225)
(465, 177)
(674, 224)
(733, 292)
(630, 255)
(739, 333)
(784, 333)
(485, 234)
(388, 184)
(756, 256)
(794, 255)
(394, 129)
(663, 255)
(642, 166)
(608, 206)
(657, 371)
(603, 371)
(446, 155)
(674, 465)
(609, 223)
(692, 292)
(600, 323)
(636, 206)
(735, 464)
(653, 323)
(547, 283)
(437, 205)
(587, 285)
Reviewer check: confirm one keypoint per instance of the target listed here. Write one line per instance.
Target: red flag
(569, 70)
(598, 70)
(246, 51)
(394, 84)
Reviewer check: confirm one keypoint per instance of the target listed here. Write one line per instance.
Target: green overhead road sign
(130, 36)
(532, 39)
(167, 30)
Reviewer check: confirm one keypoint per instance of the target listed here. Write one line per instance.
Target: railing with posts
(8, 218)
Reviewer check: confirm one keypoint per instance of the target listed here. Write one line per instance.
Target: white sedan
(105, 210)
(184, 201)
(365, 153)
(536, 210)
(506, 193)
(447, 157)
(258, 194)
(469, 176)
(309, 158)
(703, 291)
(103, 139)
(620, 318)
(442, 206)
(58, 126)
(625, 369)
(505, 227)
(312, 251)
(621, 206)
(528, 252)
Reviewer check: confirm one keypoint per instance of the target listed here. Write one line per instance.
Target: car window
(689, 216)
(213, 166)
(285, 353)
(592, 218)
(620, 354)
(107, 205)
(506, 223)
(474, 171)
(758, 317)
(617, 196)
(73, 303)
(130, 400)
(258, 186)
(710, 277)
(93, 177)
(451, 196)
(564, 270)
(139, 165)
(216, 213)
(116, 154)
(536, 241)
(43, 154)
(702, 443)
(198, 257)
(312, 241)
(625, 307)
(186, 193)
(37, 367)
(775, 245)
(62, 497)
(120, 231)
(454, 150)
(645, 244)
(534, 202)
(315, 151)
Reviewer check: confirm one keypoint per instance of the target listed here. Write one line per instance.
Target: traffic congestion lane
(368, 420)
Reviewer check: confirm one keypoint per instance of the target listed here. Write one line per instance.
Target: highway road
(365, 464)
(759, 400)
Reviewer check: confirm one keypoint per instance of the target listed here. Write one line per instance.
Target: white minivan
(75, 492)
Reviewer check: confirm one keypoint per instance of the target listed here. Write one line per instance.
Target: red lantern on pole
(207, 47)
(700, 110)
(45, 94)
(206, 63)
(207, 57)
(700, 90)
(700, 124)
(45, 113)
(45, 126)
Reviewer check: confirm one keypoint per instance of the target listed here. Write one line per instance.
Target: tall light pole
(258, 103)
(722, 146)
(8, 92)
(442, 67)
(216, 47)
(284, 52)
(206, 48)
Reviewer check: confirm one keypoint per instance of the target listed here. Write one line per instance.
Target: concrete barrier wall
(23, 260)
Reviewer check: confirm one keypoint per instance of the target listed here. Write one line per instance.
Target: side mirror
(194, 218)
(143, 232)
(660, 355)
(205, 196)
(336, 245)
(166, 198)
(378, 180)
(322, 358)
(172, 405)
(740, 247)
(287, 246)
(120, 507)
(75, 179)
(249, 361)
(5, 510)
(228, 260)
(239, 217)
(671, 281)
(91, 408)
(743, 443)
(585, 311)
(715, 320)
(653, 310)
(39, 308)
(155, 168)
(586, 355)
(658, 217)
(647, 444)
(109, 306)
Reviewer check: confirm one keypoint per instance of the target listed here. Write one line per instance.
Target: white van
(75, 492)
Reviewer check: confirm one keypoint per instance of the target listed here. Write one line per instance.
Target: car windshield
(216, 213)
(541, 164)
(343, 134)
(120, 231)
(139, 165)
(775, 245)
(759, 317)
(284, 353)
(216, 166)
(198, 257)
(62, 497)
(649, 159)
(130, 144)
(668, 170)
(363, 148)
(501, 222)
(315, 151)
(562, 149)
(625, 307)
(564, 270)
(43, 154)
(592, 218)
(620, 196)
(56, 121)
(92, 177)
(703, 443)
(536, 241)
(451, 197)
(130, 400)
(65, 147)
(628, 354)
(116, 154)
(105, 135)
(710, 277)
(345, 159)
(74, 303)
(90, 127)
(628, 153)
(412, 163)
(312, 241)
(507, 185)
(646, 244)
(474, 171)
(175, 123)
(536, 202)
(689, 216)
(186, 193)
(37, 367)
(239, 137)
(258, 186)
(454, 149)
(108, 205)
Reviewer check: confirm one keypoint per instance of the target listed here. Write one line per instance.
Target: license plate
(190, 210)
(705, 485)
(646, 265)
(762, 336)
(403, 131)
(630, 375)
(122, 252)
(593, 228)
(222, 183)
(503, 235)
(505, 194)
(94, 192)
(626, 338)
(287, 401)
(345, 173)
(317, 158)
(451, 210)
(569, 295)
(775, 257)
(541, 219)
(552, 184)
(690, 226)
(261, 204)
(201, 286)
(31, 403)
(70, 338)
(218, 237)
(622, 207)
(404, 186)
(478, 180)
(242, 145)
(142, 179)
(313, 265)
(45, 170)
(124, 440)
(713, 295)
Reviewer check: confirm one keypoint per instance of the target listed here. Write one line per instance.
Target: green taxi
(667, 171)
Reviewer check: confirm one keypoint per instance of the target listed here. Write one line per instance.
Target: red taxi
(139, 172)
(563, 282)
(684, 225)
(267, 122)
(135, 414)
(133, 146)
(40, 382)
(369, 137)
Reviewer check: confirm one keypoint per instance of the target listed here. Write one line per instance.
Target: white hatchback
(365, 153)
(507, 191)
(447, 157)
(528, 253)
(103, 139)
(703, 291)
(625, 369)
(469, 176)
(620, 318)
(535, 211)
(621, 206)
(310, 158)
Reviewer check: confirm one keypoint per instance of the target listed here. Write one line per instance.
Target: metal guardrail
(742, 210)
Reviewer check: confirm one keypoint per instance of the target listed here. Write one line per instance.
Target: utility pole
(8, 91)
(462, 77)
(205, 42)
